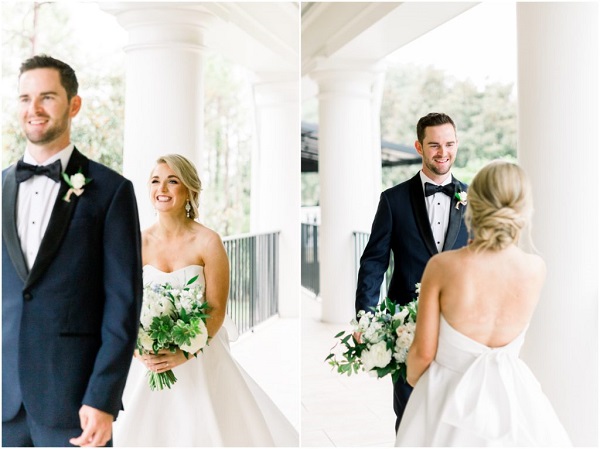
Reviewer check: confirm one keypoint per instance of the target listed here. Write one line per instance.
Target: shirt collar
(425, 178)
(64, 155)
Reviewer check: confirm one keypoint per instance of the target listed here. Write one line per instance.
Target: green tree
(30, 28)
(228, 140)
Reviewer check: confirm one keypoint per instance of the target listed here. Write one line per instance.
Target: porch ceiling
(367, 31)
(261, 36)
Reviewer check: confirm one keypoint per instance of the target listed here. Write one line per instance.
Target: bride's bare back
(488, 296)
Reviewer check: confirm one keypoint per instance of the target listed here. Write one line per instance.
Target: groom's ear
(418, 147)
(74, 106)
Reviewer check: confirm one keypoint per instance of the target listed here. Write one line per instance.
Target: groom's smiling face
(438, 151)
(45, 111)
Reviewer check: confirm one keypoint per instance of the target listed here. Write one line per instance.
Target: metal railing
(254, 278)
(360, 242)
(309, 251)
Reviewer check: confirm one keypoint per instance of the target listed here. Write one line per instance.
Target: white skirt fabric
(213, 403)
(473, 395)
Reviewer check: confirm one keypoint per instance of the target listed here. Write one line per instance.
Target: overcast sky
(479, 44)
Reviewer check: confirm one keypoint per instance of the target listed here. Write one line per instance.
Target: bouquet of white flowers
(172, 319)
(387, 333)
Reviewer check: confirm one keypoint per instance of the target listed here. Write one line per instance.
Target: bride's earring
(188, 208)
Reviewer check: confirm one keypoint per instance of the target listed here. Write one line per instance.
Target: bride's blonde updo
(499, 205)
(186, 171)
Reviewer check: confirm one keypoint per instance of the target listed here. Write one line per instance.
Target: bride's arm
(216, 273)
(424, 346)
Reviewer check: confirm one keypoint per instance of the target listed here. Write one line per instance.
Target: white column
(349, 175)
(275, 194)
(558, 146)
(164, 88)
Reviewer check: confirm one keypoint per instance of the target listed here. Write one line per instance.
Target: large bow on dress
(488, 397)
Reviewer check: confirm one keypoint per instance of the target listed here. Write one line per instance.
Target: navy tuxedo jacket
(70, 324)
(401, 225)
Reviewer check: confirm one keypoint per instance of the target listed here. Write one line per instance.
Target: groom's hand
(96, 425)
(357, 336)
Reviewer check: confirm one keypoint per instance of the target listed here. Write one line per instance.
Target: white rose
(198, 342)
(186, 300)
(144, 340)
(146, 317)
(401, 314)
(78, 180)
(372, 333)
(400, 353)
(363, 323)
(406, 334)
(376, 356)
(161, 307)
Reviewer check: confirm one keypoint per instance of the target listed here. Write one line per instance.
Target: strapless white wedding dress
(473, 395)
(213, 403)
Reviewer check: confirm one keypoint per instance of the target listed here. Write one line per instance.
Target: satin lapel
(9, 223)
(59, 220)
(456, 217)
(417, 199)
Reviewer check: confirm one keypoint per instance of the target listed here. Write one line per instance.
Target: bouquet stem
(158, 381)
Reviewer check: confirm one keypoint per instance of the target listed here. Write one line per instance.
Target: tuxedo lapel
(59, 220)
(456, 218)
(9, 223)
(417, 199)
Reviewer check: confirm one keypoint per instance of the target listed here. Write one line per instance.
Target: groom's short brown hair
(432, 119)
(68, 79)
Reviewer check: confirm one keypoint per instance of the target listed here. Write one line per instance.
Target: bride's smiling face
(167, 192)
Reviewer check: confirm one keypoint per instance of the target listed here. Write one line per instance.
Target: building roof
(392, 154)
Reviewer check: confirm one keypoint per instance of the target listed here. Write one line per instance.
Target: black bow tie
(448, 189)
(26, 171)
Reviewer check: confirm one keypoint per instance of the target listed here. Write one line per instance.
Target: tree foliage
(228, 140)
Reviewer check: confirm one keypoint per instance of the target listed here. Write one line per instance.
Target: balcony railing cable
(254, 278)
(360, 242)
(310, 257)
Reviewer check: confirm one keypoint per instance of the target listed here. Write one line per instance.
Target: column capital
(272, 91)
(162, 24)
(346, 76)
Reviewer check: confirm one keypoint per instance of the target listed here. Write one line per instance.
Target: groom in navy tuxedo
(415, 220)
(71, 275)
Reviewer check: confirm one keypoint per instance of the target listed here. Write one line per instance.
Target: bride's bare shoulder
(206, 236)
(533, 264)
(148, 234)
(450, 258)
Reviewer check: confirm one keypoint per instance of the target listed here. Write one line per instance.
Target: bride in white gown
(214, 401)
(470, 387)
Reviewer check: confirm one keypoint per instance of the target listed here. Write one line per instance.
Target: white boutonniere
(461, 197)
(76, 183)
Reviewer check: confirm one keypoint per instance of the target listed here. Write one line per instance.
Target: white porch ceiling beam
(368, 31)
(260, 36)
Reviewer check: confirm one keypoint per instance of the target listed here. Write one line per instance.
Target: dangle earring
(188, 208)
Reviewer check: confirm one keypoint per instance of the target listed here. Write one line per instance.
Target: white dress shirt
(35, 202)
(438, 210)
